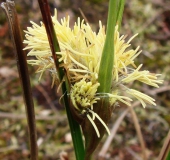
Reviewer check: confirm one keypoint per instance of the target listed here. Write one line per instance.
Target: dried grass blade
(10, 11)
(165, 149)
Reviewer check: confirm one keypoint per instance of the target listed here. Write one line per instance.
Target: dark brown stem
(165, 149)
(53, 42)
(10, 11)
(54, 45)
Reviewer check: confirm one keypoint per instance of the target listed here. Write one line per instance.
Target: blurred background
(149, 18)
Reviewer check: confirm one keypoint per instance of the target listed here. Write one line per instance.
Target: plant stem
(107, 59)
(115, 13)
(165, 149)
(9, 9)
(54, 45)
(120, 12)
(168, 156)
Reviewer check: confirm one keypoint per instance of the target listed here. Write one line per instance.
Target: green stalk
(103, 108)
(168, 157)
(120, 12)
(54, 45)
(115, 13)
(107, 59)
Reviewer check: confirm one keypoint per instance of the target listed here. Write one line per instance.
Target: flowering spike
(80, 55)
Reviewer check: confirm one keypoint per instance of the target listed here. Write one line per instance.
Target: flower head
(81, 51)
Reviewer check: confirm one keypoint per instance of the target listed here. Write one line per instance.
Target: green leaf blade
(107, 59)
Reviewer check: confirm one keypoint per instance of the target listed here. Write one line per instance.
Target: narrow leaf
(54, 45)
(120, 12)
(107, 59)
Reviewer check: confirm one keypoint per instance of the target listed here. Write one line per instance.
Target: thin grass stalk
(168, 156)
(139, 133)
(54, 45)
(120, 12)
(115, 13)
(165, 149)
(10, 11)
(107, 59)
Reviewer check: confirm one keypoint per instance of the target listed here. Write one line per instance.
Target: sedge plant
(93, 70)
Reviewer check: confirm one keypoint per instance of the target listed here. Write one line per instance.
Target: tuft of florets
(80, 55)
